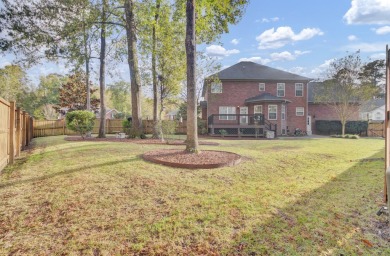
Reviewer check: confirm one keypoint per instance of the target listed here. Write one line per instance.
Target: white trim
(301, 84)
(301, 108)
(284, 89)
(227, 118)
(261, 87)
(276, 113)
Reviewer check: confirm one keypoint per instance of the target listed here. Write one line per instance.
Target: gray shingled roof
(372, 105)
(247, 70)
(265, 97)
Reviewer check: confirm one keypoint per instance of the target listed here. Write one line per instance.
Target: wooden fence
(376, 129)
(16, 128)
(58, 127)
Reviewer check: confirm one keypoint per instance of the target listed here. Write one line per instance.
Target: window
(216, 88)
(298, 89)
(227, 110)
(258, 109)
(280, 90)
(378, 116)
(272, 112)
(283, 112)
(261, 86)
(300, 111)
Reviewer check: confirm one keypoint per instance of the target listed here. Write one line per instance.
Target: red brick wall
(326, 112)
(234, 94)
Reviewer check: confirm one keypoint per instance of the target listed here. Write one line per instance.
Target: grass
(288, 197)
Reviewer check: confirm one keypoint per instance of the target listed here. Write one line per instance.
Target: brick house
(249, 99)
(322, 111)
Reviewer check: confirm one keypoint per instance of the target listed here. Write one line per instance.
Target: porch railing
(236, 119)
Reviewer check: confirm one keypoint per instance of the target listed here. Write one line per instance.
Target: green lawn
(288, 197)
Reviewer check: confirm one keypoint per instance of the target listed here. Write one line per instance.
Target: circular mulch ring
(138, 141)
(206, 159)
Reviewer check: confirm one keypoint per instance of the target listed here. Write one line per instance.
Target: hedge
(327, 127)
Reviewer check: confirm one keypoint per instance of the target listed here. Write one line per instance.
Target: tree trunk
(86, 56)
(190, 44)
(102, 127)
(343, 122)
(157, 132)
(132, 59)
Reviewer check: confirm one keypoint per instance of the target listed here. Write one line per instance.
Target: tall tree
(343, 91)
(119, 94)
(13, 82)
(102, 73)
(213, 18)
(373, 73)
(132, 59)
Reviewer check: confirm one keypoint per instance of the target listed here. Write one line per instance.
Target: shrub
(334, 127)
(126, 124)
(81, 121)
(168, 127)
(223, 132)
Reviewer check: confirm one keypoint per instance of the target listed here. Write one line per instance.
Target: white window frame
(296, 89)
(283, 112)
(229, 110)
(258, 112)
(299, 110)
(276, 112)
(261, 87)
(280, 87)
(216, 87)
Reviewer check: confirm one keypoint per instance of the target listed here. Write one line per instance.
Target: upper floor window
(228, 111)
(261, 87)
(216, 88)
(300, 111)
(298, 89)
(272, 112)
(280, 89)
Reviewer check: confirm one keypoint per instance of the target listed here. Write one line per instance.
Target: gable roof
(265, 97)
(246, 70)
(372, 105)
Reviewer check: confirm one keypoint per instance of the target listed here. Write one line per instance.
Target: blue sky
(303, 36)
(299, 36)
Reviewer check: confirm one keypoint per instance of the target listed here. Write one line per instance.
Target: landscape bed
(287, 197)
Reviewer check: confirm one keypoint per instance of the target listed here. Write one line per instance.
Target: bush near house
(327, 127)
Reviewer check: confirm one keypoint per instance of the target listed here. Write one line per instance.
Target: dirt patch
(138, 141)
(206, 159)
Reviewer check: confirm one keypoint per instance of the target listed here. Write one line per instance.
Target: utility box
(270, 134)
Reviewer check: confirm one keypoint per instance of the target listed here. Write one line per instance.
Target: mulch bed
(206, 159)
(138, 141)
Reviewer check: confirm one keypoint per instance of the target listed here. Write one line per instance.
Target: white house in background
(373, 110)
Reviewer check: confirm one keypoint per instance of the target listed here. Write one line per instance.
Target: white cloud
(259, 60)
(235, 41)
(217, 50)
(4, 63)
(378, 56)
(382, 30)
(319, 72)
(366, 47)
(272, 39)
(267, 20)
(368, 12)
(287, 55)
(352, 38)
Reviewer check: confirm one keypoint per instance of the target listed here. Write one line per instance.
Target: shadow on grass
(337, 218)
(66, 172)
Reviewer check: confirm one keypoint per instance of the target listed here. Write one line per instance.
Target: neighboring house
(249, 99)
(373, 110)
(323, 111)
(110, 113)
(172, 115)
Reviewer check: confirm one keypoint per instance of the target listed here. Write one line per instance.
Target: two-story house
(247, 99)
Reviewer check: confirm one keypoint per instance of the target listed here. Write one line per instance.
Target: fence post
(24, 129)
(12, 133)
(27, 129)
(18, 131)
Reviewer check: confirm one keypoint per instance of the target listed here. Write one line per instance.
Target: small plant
(168, 127)
(81, 121)
(223, 132)
(126, 124)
